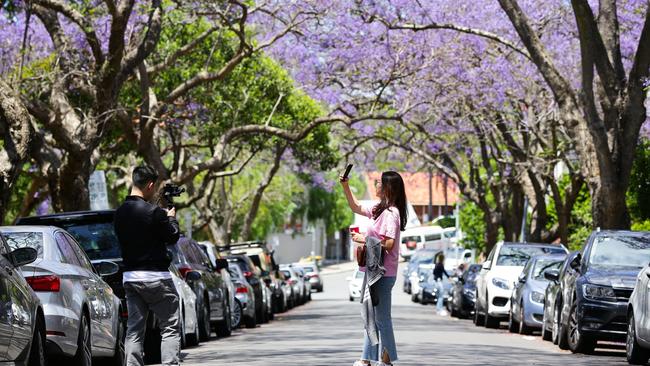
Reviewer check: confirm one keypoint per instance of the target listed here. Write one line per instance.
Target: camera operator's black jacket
(144, 231)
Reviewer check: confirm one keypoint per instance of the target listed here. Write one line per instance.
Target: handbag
(361, 255)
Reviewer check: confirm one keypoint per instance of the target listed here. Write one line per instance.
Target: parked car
(293, 278)
(81, 313)
(550, 322)
(593, 300)
(637, 345)
(245, 294)
(354, 285)
(213, 254)
(312, 273)
(188, 307)
(208, 284)
(428, 293)
(463, 293)
(421, 256)
(497, 277)
(262, 258)
(527, 300)
(22, 319)
(305, 282)
(417, 278)
(251, 273)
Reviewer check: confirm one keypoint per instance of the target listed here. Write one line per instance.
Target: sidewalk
(335, 268)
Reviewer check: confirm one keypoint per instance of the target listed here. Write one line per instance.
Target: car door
(211, 278)
(6, 300)
(20, 310)
(481, 284)
(105, 308)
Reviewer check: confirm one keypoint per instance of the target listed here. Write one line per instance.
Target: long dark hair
(392, 186)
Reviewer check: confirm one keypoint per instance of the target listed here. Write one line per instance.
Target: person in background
(144, 230)
(389, 219)
(438, 272)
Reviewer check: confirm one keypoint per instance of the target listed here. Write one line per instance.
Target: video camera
(170, 191)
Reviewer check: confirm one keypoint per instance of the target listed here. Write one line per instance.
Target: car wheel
(37, 349)
(546, 335)
(478, 318)
(84, 356)
(250, 321)
(636, 355)
(237, 314)
(559, 330)
(351, 298)
(578, 342)
(490, 321)
(182, 326)
(224, 328)
(192, 339)
(523, 328)
(414, 297)
(204, 322)
(513, 326)
(119, 356)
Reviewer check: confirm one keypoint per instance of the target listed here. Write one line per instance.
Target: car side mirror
(106, 268)
(522, 279)
(487, 265)
(552, 275)
(22, 256)
(192, 276)
(222, 264)
(576, 262)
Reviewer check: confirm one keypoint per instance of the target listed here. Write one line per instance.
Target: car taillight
(313, 276)
(248, 274)
(291, 281)
(49, 283)
(184, 271)
(242, 290)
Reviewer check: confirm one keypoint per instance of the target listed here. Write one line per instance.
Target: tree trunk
(16, 132)
(73, 178)
(491, 233)
(608, 206)
(257, 198)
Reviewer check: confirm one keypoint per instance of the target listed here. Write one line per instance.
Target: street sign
(97, 191)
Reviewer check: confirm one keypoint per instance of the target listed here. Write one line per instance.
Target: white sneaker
(443, 313)
(383, 364)
(360, 363)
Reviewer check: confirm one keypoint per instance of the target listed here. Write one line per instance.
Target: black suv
(213, 298)
(595, 290)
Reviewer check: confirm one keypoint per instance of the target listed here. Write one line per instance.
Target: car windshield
(520, 254)
(449, 234)
(543, 265)
(454, 253)
(25, 239)
(628, 251)
(413, 238)
(422, 257)
(97, 239)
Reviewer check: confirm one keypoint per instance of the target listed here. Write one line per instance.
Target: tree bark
(15, 130)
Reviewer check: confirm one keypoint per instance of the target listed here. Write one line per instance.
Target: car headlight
(501, 283)
(598, 292)
(537, 297)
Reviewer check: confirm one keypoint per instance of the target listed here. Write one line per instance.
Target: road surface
(329, 331)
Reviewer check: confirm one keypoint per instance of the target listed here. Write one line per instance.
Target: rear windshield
(286, 274)
(308, 269)
(520, 254)
(627, 251)
(27, 239)
(97, 239)
(243, 265)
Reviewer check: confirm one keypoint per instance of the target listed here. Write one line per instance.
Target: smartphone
(347, 171)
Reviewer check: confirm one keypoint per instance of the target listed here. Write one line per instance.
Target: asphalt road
(329, 331)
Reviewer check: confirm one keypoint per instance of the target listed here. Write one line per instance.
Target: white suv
(496, 280)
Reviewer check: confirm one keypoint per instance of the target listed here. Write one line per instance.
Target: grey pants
(161, 298)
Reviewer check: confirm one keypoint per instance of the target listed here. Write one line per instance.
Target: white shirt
(145, 276)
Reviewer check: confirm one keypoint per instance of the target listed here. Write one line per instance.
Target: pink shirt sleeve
(367, 211)
(389, 224)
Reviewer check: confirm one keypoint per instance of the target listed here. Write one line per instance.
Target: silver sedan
(81, 311)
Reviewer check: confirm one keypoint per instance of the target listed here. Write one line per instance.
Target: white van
(421, 237)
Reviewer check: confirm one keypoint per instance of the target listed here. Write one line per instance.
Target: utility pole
(430, 195)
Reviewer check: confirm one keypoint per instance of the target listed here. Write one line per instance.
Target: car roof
(622, 232)
(30, 228)
(67, 217)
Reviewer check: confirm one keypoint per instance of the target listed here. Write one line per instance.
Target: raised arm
(352, 201)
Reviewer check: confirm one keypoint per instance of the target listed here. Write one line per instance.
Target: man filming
(144, 230)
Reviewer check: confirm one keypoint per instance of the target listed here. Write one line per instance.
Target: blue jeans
(384, 324)
(441, 295)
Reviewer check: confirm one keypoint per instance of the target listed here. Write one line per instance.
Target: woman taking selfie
(389, 218)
